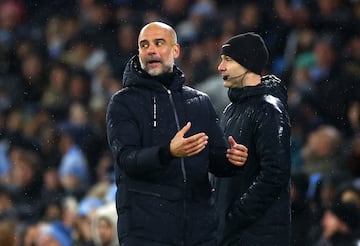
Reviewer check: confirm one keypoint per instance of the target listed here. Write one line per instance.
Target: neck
(252, 79)
(248, 79)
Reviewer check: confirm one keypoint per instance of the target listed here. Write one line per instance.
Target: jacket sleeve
(272, 140)
(124, 139)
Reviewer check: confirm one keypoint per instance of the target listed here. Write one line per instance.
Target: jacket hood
(269, 85)
(134, 75)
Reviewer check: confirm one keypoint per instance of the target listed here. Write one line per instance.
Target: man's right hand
(185, 147)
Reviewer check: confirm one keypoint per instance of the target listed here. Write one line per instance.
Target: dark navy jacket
(254, 205)
(163, 200)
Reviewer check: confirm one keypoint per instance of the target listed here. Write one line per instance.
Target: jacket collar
(134, 75)
(269, 84)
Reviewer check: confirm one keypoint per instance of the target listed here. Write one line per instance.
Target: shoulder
(127, 98)
(268, 106)
(125, 94)
(272, 110)
(191, 92)
(273, 103)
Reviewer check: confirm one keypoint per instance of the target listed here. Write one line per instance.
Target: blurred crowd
(60, 61)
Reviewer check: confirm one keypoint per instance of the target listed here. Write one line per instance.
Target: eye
(144, 45)
(159, 42)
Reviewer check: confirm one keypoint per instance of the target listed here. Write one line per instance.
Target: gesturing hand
(237, 154)
(184, 147)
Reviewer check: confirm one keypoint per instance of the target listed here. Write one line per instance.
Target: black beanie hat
(249, 50)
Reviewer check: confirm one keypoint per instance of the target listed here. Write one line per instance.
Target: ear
(176, 51)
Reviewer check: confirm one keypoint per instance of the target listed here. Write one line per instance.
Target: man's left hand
(238, 153)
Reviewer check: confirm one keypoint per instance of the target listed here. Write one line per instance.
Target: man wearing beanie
(254, 204)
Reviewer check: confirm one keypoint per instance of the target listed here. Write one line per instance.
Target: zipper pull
(168, 91)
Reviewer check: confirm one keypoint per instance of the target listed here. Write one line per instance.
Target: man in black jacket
(165, 138)
(254, 205)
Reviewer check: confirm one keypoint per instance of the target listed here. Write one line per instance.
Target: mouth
(154, 61)
(225, 77)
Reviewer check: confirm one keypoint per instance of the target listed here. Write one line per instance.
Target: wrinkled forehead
(155, 32)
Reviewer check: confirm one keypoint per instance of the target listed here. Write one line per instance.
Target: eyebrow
(155, 40)
(160, 39)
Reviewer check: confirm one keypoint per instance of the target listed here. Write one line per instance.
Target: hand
(184, 147)
(237, 154)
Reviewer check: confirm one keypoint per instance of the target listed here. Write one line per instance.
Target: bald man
(165, 139)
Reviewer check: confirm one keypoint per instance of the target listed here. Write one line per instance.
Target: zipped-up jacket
(254, 204)
(162, 200)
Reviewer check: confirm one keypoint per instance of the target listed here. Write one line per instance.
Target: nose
(151, 49)
(221, 67)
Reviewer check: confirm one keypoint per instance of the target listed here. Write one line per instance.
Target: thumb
(185, 129)
(232, 141)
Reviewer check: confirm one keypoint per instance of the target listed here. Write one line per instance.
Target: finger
(197, 144)
(237, 163)
(241, 148)
(236, 160)
(237, 154)
(195, 139)
(231, 141)
(193, 146)
(185, 129)
(197, 151)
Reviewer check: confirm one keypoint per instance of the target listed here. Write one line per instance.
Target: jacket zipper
(183, 170)
(178, 128)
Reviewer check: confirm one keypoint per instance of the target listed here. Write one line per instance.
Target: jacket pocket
(155, 190)
(156, 212)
